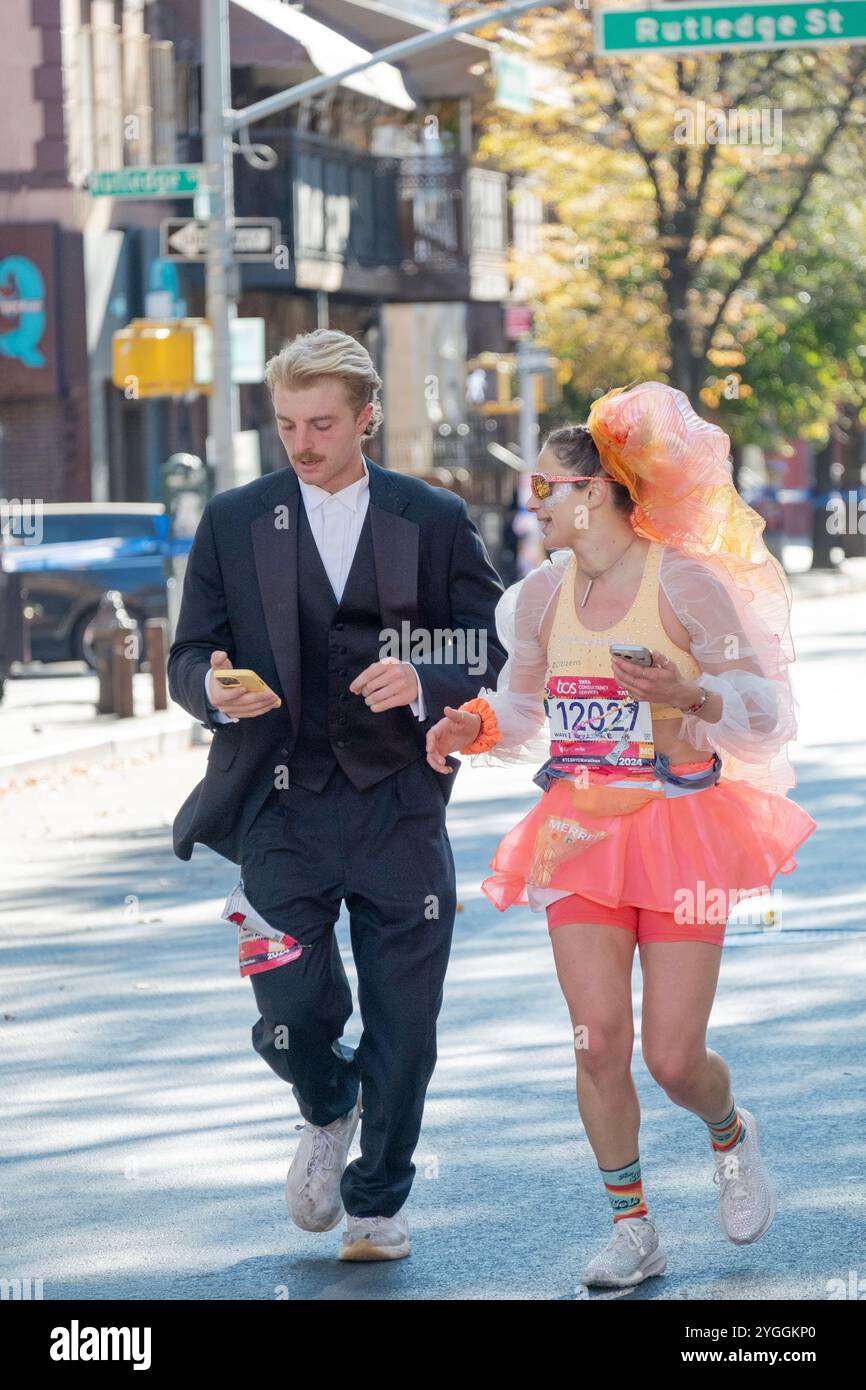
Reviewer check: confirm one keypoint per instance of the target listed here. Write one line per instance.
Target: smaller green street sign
(157, 181)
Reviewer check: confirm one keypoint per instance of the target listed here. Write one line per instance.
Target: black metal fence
(412, 213)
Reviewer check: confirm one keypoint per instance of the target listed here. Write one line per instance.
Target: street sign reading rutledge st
(723, 27)
(152, 181)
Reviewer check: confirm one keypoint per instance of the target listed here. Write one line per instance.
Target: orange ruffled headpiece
(675, 466)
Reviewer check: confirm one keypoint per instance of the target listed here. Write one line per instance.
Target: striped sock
(625, 1190)
(728, 1132)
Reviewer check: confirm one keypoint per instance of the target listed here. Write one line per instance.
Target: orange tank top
(575, 650)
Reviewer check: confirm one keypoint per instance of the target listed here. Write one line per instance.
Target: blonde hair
(326, 352)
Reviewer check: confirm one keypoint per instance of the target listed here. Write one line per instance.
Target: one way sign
(185, 238)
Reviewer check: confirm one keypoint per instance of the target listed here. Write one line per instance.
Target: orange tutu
(732, 837)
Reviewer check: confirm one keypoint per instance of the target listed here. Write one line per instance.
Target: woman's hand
(660, 683)
(457, 730)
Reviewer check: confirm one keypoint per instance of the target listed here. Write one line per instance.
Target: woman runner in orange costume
(664, 785)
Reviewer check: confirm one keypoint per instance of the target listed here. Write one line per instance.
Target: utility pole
(220, 270)
(528, 412)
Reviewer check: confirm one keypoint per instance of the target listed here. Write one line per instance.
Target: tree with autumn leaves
(678, 251)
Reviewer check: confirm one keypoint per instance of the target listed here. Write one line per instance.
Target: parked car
(85, 549)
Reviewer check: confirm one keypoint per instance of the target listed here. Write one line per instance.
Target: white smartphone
(640, 656)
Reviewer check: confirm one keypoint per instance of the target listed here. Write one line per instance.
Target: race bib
(260, 946)
(595, 722)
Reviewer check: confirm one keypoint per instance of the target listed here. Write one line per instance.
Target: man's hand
(457, 730)
(239, 703)
(386, 684)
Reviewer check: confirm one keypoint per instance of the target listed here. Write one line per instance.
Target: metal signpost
(530, 360)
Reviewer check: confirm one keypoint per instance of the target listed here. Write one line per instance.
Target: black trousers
(385, 852)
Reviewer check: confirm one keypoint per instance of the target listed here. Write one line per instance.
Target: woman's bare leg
(594, 966)
(679, 986)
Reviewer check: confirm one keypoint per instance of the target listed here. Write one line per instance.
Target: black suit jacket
(240, 596)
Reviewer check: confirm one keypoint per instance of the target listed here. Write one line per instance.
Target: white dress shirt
(336, 520)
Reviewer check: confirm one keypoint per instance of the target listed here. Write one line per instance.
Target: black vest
(338, 640)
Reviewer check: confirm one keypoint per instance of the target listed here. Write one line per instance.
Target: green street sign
(727, 27)
(158, 181)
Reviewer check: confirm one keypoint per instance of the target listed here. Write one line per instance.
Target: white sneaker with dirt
(632, 1254)
(313, 1181)
(747, 1197)
(375, 1238)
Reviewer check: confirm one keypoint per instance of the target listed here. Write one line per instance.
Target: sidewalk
(49, 725)
(850, 577)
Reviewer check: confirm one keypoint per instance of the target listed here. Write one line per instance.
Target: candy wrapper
(557, 840)
(260, 946)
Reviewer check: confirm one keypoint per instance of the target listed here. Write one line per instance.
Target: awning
(259, 29)
(438, 72)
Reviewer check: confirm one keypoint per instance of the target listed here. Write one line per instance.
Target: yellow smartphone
(248, 679)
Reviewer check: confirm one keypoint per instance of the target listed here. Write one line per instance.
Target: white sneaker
(313, 1181)
(632, 1254)
(747, 1197)
(375, 1238)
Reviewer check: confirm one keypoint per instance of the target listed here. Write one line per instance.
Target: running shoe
(313, 1182)
(632, 1254)
(375, 1238)
(747, 1197)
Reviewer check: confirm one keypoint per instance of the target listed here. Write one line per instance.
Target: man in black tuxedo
(321, 790)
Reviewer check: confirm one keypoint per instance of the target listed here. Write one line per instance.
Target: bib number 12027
(594, 720)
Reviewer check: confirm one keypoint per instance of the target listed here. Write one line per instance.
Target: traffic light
(548, 389)
(489, 384)
(493, 387)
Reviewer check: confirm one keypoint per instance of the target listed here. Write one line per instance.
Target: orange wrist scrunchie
(489, 734)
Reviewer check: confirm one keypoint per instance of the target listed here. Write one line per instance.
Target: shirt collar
(351, 496)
